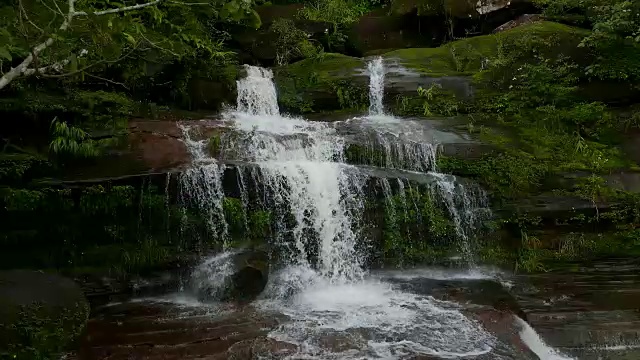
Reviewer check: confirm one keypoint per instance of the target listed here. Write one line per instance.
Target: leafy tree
(53, 38)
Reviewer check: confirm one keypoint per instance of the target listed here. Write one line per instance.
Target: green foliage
(41, 336)
(415, 228)
(292, 43)
(70, 141)
(20, 168)
(439, 102)
(122, 228)
(234, 214)
(350, 96)
(337, 12)
(161, 32)
(615, 36)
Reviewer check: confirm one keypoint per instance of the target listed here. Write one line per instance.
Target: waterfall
(297, 161)
(376, 86)
(201, 185)
(257, 92)
(404, 147)
(321, 286)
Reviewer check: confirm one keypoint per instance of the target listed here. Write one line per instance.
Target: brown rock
(522, 20)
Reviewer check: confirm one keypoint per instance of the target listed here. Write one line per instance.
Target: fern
(70, 141)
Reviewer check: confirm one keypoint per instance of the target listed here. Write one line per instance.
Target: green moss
(469, 56)
(329, 67)
(320, 84)
(416, 230)
(215, 145)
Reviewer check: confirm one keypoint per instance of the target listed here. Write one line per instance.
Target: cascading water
(404, 147)
(376, 86)
(336, 310)
(201, 185)
(302, 168)
(297, 161)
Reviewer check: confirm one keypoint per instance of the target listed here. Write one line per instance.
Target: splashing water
(302, 167)
(536, 344)
(297, 160)
(335, 309)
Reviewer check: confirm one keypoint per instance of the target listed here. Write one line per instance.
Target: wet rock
(239, 276)
(40, 314)
(506, 328)
(261, 348)
(588, 310)
(553, 208)
(161, 330)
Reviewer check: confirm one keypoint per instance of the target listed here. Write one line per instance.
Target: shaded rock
(233, 276)
(40, 314)
(522, 20)
(150, 147)
(631, 145)
(270, 13)
(156, 330)
(378, 30)
(623, 180)
(553, 207)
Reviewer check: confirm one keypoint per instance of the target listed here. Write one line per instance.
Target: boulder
(231, 276)
(41, 314)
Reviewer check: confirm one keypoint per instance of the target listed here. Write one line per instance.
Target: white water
(536, 344)
(335, 309)
(376, 86)
(201, 185)
(332, 300)
(405, 145)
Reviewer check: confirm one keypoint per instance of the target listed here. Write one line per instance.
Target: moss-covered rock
(469, 56)
(41, 315)
(321, 84)
(335, 81)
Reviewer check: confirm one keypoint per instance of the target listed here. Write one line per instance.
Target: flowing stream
(335, 308)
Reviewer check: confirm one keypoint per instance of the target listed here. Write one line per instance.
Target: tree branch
(117, 10)
(23, 68)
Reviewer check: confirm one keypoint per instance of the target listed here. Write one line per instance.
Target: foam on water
(374, 320)
(335, 309)
(329, 300)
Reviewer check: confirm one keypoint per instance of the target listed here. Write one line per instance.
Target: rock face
(379, 31)
(340, 82)
(237, 276)
(40, 314)
(150, 147)
(165, 332)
